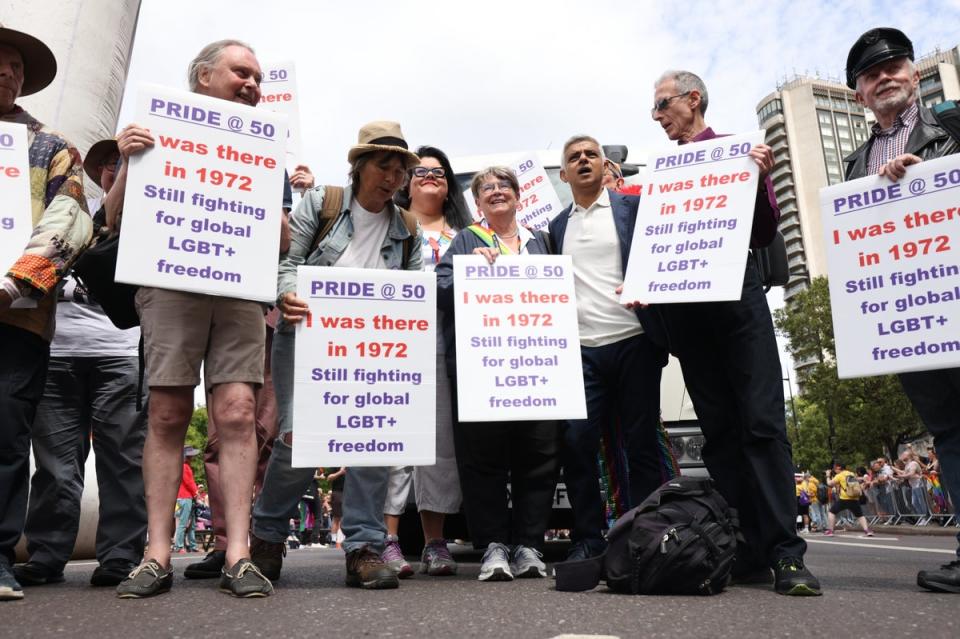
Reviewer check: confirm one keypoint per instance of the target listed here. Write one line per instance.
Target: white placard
(893, 255)
(279, 93)
(365, 372)
(693, 223)
(518, 344)
(202, 207)
(538, 201)
(16, 215)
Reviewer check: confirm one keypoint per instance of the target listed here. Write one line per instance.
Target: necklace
(506, 236)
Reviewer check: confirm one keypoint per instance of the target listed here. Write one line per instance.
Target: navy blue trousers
(622, 384)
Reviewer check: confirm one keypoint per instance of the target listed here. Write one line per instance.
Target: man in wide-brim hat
(61, 229)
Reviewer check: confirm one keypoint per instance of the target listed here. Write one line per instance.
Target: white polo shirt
(591, 240)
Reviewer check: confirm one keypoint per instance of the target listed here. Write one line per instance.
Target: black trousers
(622, 384)
(491, 455)
(731, 366)
(23, 369)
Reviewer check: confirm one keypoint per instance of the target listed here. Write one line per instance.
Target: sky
(508, 77)
(495, 76)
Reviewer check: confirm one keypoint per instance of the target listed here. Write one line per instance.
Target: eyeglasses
(490, 187)
(663, 103)
(422, 171)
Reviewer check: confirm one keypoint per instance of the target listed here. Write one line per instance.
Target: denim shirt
(305, 224)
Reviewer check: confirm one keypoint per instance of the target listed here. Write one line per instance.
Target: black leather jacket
(928, 140)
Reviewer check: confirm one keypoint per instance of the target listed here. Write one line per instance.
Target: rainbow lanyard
(490, 239)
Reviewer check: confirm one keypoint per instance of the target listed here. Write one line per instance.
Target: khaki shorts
(181, 330)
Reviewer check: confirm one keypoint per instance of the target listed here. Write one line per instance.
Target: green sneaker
(245, 580)
(146, 580)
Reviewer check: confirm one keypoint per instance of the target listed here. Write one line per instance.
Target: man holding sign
(880, 69)
(728, 353)
(181, 330)
(60, 229)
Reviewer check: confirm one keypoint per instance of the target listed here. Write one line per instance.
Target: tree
(197, 437)
(864, 417)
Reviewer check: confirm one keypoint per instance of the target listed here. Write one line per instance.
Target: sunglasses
(663, 103)
(422, 172)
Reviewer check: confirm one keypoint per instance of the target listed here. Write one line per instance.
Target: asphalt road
(870, 590)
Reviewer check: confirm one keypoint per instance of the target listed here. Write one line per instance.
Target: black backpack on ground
(681, 540)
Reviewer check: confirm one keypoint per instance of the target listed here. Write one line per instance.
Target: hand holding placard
(693, 222)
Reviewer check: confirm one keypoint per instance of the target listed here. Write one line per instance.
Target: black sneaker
(210, 568)
(366, 569)
(112, 572)
(245, 580)
(36, 574)
(947, 579)
(793, 578)
(268, 556)
(146, 580)
(10, 590)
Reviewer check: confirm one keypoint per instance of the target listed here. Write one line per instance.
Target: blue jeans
(184, 516)
(936, 396)
(365, 488)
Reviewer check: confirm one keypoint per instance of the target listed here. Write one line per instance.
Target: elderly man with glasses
(731, 365)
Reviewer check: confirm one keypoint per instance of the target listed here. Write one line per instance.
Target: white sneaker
(527, 563)
(496, 564)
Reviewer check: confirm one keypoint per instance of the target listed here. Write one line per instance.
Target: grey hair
(361, 160)
(575, 139)
(686, 81)
(911, 69)
(498, 173)
(208, 57)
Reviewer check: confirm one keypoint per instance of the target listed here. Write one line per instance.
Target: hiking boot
(947, 579)
(436, 560)
(36, 574)
(10, 590)
(245, 580)
(793, 578)
(496, 564)
(393, 557)
(267, 555)
(146, 580)
(526, 562)
(210, 567)
(366, 569)
(111, 572)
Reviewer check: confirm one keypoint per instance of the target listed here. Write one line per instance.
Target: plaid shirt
(889, 143)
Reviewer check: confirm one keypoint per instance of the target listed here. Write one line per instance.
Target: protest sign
(537, 202)
(518, 346)
(365, 371)
(693, 223)
(16, 215)
(279, 93)
(202, 207)
(892, 256)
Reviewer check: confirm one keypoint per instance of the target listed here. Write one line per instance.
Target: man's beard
(894, 102)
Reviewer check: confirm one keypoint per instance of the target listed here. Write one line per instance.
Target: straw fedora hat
(95, 156)
(382, 136)
(39, 64)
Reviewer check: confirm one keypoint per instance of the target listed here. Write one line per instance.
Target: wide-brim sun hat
(382, 135)
(39, 63)
(95, 156)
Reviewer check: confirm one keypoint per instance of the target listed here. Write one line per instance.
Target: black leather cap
(873, 47)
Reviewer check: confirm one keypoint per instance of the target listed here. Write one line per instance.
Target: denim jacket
(305, 224)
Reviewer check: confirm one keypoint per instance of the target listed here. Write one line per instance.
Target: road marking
(859, 545)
